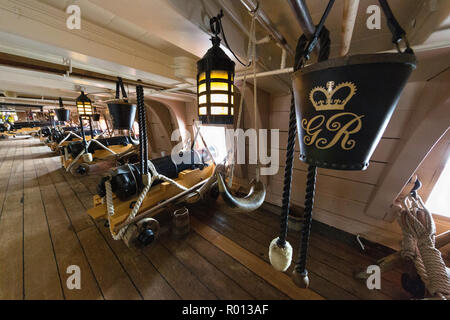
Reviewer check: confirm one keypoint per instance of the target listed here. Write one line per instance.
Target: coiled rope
(418, 245)
(109, 198)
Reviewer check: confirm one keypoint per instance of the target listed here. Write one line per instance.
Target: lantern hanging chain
(217, 28)
(241, 100)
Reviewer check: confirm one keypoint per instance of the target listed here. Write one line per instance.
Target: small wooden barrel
(180, 223)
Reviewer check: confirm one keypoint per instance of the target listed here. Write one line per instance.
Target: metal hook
(416, 187)
(215, 24)
(256, 8)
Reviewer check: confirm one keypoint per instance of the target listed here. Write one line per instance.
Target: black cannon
(126, 180)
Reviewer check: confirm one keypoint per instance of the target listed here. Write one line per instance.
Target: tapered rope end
(301, 280)
(280, 257)
(87, 158)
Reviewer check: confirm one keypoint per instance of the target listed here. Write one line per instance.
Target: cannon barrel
(126, 180)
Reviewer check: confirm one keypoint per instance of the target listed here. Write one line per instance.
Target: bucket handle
(61, 105)
(398, 34)
(120, 86)
(397, 31)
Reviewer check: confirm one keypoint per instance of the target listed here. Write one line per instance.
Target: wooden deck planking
(332, 253)
(224, 287)
(111, 277)
(67, 247)
(43, 221)
(41, 274)
(249, 281)
(11, 230)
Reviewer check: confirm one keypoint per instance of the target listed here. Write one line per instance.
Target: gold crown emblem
(328, 103)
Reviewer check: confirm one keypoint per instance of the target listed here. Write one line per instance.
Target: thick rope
(67, 137)
(288, 176)
(418, 245)
(110, 205)
(255, 96)
(300, 266)
(84, 151)
(241, 102)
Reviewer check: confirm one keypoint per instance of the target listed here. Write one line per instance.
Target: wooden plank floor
(44, 229)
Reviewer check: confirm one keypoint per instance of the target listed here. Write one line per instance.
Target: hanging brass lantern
(215, 83)
(84, 106)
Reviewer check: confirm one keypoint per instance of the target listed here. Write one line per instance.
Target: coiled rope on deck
(418, 244)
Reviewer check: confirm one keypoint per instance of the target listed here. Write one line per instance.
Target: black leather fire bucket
(123, 114)
(343, 106)
(62, 114)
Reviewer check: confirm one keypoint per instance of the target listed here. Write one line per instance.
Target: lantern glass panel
(219, 98)
(202, 99)
(202, 88)
(202, 76)
(202, 111)
(84, 109)
(219, 110)
(219, 74)
(223, 86)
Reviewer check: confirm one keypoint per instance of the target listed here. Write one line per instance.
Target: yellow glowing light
(232, 111)
(202, 111)
(219, 110)
(84, 109)
(217, 74)
(223, 86)
(202, 88)
(202, 76)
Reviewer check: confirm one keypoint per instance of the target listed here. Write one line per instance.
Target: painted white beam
(92, 46)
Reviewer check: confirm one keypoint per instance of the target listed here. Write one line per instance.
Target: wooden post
(348, 24)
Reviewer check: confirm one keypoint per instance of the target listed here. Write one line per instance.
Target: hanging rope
(68, 136)
(241, 102)
(281, 242)
(83, 152)
(280, 250)
(418, 245)
(255, 92)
